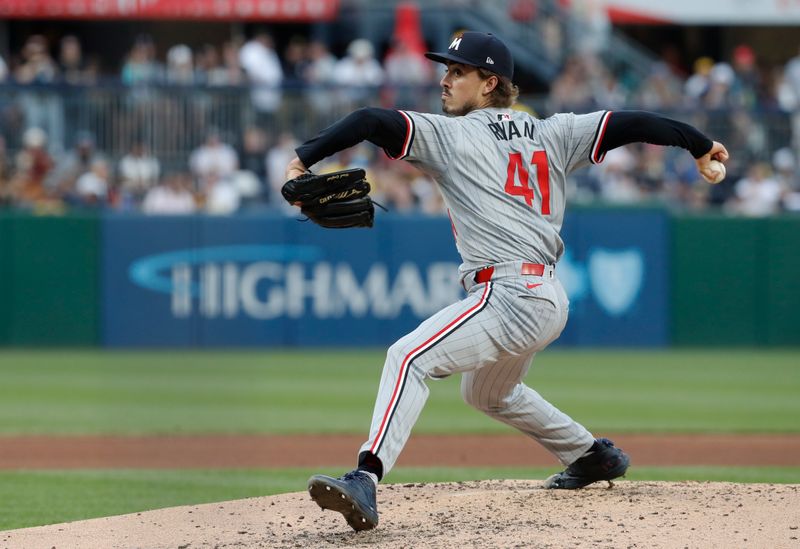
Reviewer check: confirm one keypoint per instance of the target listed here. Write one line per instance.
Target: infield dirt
(511, 513)
(487, 514)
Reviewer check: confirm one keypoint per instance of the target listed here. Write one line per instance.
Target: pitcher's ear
(490, 84)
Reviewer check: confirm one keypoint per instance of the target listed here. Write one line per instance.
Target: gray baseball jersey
(502, 174)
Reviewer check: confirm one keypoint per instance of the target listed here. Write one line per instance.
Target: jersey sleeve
(430, 141)
(383, 127)
(580, 137)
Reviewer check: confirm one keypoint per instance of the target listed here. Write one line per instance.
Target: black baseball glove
(335, 200)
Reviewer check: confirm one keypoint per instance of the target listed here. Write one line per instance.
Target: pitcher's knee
(485, 405)
(396, 353)
(491, 403)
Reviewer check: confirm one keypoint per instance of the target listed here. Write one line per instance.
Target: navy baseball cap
(478, 49)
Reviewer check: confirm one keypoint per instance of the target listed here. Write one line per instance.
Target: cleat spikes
(352, 495)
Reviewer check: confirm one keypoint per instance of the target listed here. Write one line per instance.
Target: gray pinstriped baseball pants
(490, 337)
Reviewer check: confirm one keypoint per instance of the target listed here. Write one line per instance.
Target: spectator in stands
(319, 74)
(138, 172)
(213, 160)
(141, 66)
(180, 66)
(6, 196)
(173, 196)
(721, 80)
(3, 69)
(789, 98)
(40, 108)
(253, 157)
(650, 171)
(572, 91)
(276, 159)
(74, 164)
(609, 91)
(747, 85)
(758, 194)
(698, 84)
(74, 70)
(616, 177)
(551, 29)
(295, 62)
(398, 192)
(682, 184)
(791, 77)
(140, 71)
(408, 72)
(37, 67)
(660, 90)
(590, 25)
(787, 173)
(359, 74)
(747, 131)
(221, 196)
(264, 73)
(209, 68)
(523, 11)
(32, 165)
(428, 196)
(234, 75)
(92, 188)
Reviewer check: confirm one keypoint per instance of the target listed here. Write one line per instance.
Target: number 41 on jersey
(518, 176)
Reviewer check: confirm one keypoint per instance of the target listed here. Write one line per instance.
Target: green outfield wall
(48, 280)
(734, 282)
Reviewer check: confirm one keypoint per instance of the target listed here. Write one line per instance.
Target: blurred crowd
(231, 169)
(753, 109)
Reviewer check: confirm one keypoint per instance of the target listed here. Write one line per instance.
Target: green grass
(33, 498)
(69, 392)
(94, 392)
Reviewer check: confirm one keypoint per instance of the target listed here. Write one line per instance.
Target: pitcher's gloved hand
(335, 200)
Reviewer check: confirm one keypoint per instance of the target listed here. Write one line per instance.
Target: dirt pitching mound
(511, 513)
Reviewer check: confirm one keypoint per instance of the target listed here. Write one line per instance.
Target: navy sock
(369, 462)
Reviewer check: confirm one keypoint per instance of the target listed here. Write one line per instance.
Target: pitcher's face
(462, 89)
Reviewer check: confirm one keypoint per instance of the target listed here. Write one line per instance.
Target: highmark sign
(269, 282)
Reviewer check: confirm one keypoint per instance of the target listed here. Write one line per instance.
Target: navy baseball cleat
(352, 495)
(603, 462)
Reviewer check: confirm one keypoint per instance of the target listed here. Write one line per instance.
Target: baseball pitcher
(502, 174)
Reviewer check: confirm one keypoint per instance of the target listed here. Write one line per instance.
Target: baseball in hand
(717, 168)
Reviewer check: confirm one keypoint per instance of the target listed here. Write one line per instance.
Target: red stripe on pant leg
(399, 383)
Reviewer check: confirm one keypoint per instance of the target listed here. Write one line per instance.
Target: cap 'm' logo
(490, 60)
(455, 43)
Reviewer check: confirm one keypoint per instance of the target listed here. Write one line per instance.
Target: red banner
(230, 10)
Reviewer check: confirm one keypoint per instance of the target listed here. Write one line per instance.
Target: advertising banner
(248, 10)
(709, 12)
(616, 273)
(265, 281)
(271, 281)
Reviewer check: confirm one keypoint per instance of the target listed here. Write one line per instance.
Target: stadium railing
(173, 121)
